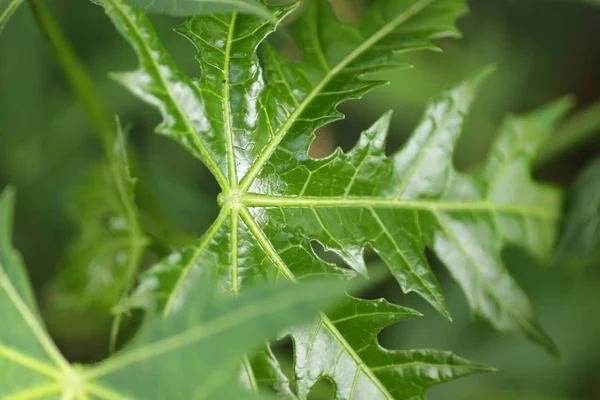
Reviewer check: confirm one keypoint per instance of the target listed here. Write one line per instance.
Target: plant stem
(85, 90)
(74, 70)
(575, 132)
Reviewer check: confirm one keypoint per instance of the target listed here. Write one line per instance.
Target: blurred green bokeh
(542, 50)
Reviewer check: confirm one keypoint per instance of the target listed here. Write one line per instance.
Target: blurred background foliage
(542, 50)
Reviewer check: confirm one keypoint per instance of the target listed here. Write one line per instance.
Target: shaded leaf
(579, 243)
(192, 354)
(266, 371)
(102, 263)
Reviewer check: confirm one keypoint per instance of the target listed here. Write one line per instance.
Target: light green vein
(191, 132)
(440, 304)
(519, 318)
(259, 200)
(105, 393)
(324, 319)
(377, 36)
(28, 362)
(32, 322)
(208, 236)
(314, 36)
(227, 106)
(234, 318)
(36, 392)
(234, 252)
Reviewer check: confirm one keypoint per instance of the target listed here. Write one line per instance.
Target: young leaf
(580, 239)
(253, 128)
(192, 353)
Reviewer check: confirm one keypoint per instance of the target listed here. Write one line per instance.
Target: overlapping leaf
(252, 127)
(192, 354)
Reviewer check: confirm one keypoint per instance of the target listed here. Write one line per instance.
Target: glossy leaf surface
(580, 240)
(252, 127)
(191, 354)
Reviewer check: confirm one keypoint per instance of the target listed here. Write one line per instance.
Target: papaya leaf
(252, 124)
(191, 354)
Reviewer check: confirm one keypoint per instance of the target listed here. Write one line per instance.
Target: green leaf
(578, 130)
(252, 128)
(266, 371)
(198, 7)
(192, 354)
(390, 374)
(102, 263)
(579, 244)
(7, 8)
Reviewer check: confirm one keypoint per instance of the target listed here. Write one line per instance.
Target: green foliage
(253, 131)
(579, 244)
(196, 350)
(251, 122)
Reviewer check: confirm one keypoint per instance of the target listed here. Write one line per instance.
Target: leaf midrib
(256, 168)
(261, 200)
(227, 106)
(272, 254)
(210, 162)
